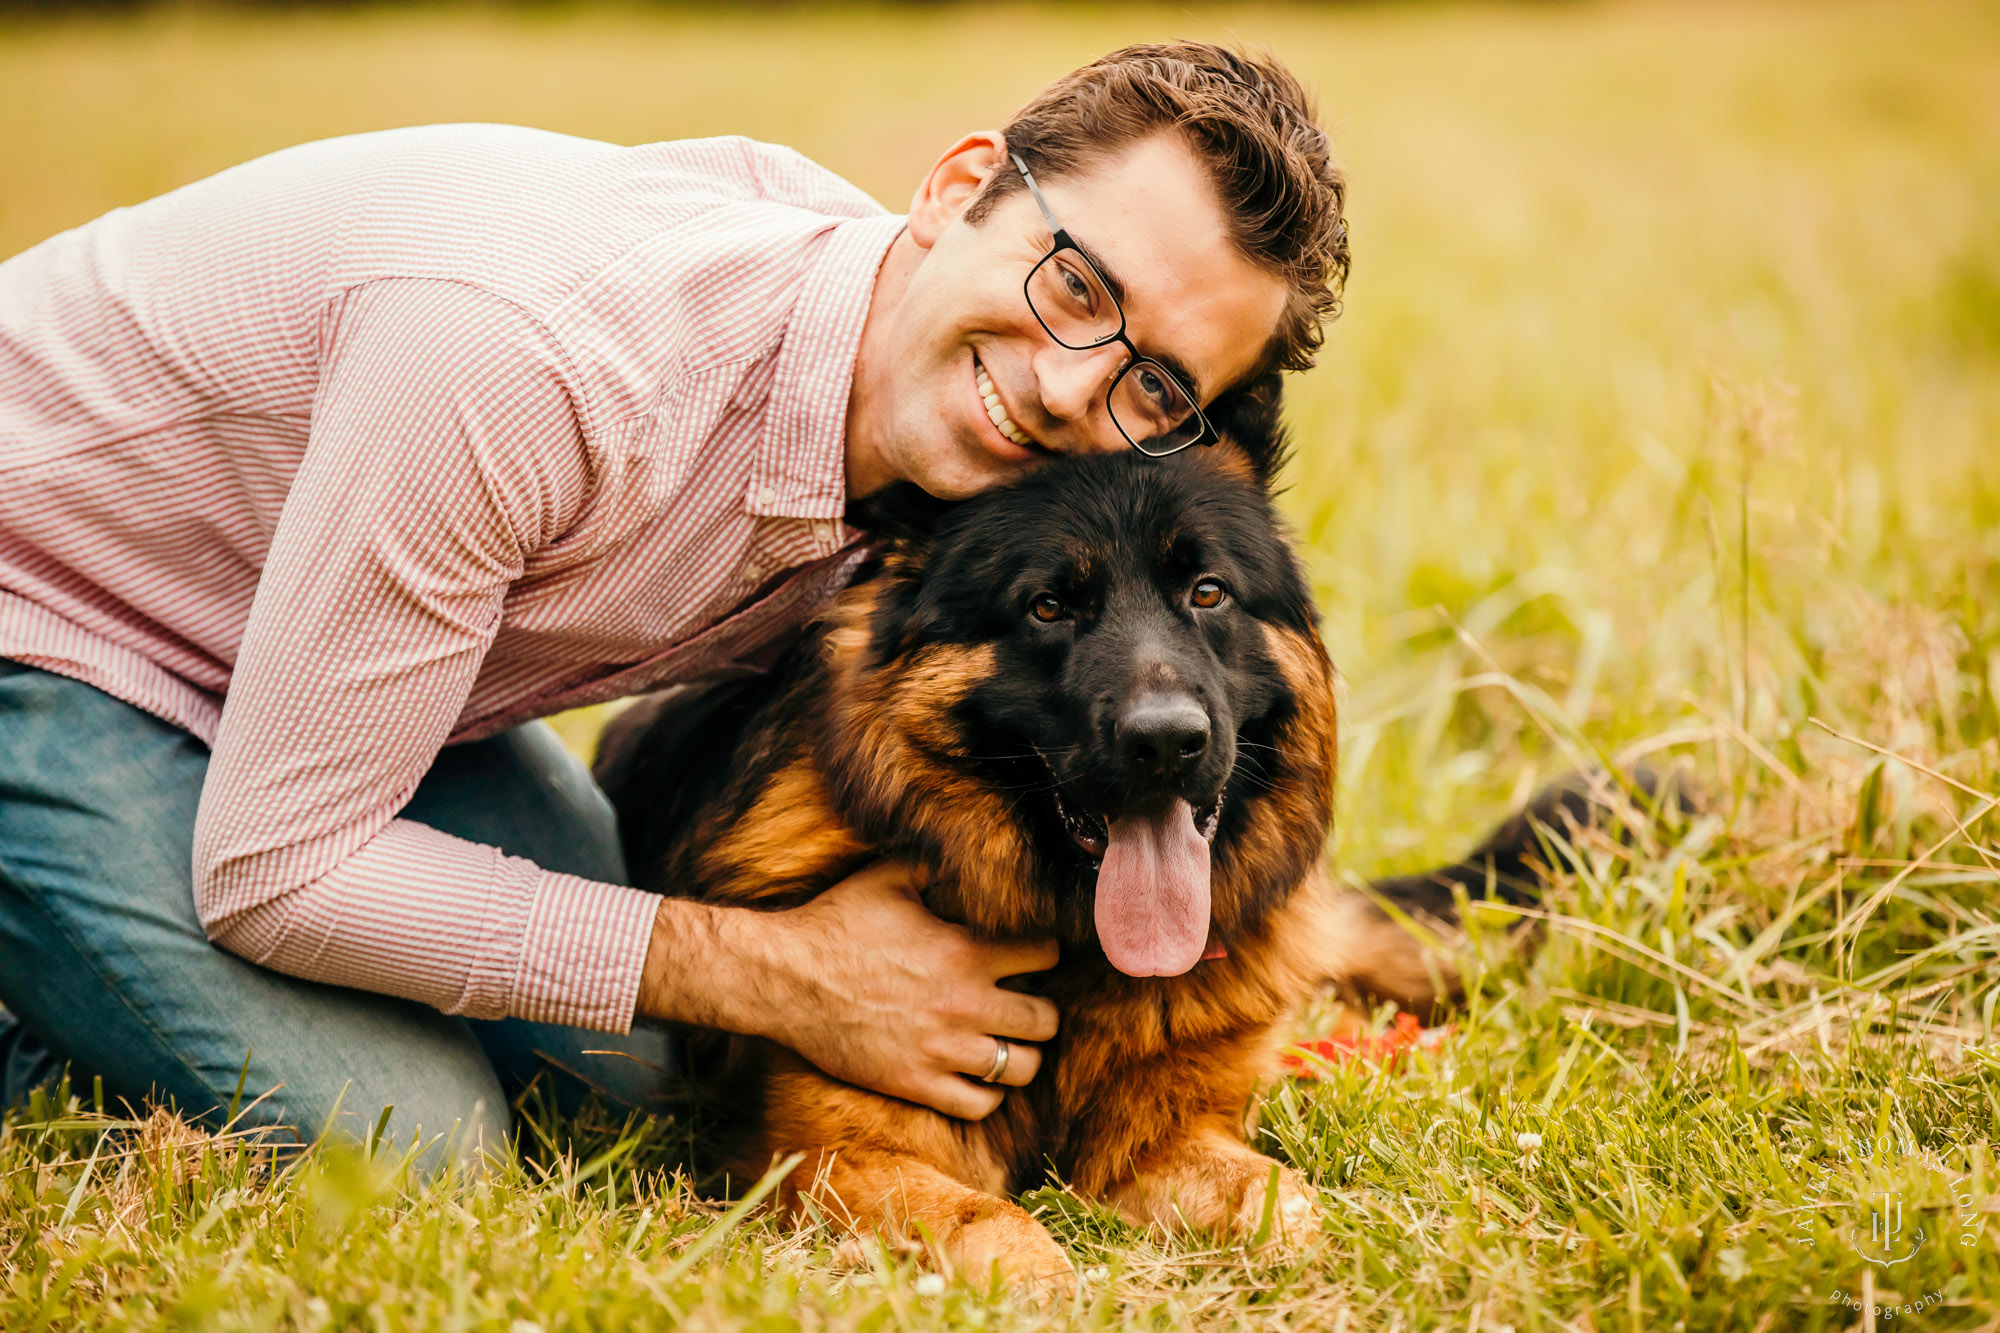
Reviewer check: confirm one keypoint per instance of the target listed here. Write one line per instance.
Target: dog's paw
(1294, 1216)
(1008, 1242)
(1221, 1189)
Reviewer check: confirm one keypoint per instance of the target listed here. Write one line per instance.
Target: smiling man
(322, 478)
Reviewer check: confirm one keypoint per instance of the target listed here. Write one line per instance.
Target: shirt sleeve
(446, 446)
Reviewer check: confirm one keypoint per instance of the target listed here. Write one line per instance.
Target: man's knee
(416, 1084)
(458, 1125)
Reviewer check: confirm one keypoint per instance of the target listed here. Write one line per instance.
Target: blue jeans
(104, 966)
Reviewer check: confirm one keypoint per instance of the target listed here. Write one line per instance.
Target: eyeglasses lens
(1073, 304)
(1150, 407)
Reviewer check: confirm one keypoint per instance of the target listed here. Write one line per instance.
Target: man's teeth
(998, 414)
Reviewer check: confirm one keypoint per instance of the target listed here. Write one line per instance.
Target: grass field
(1664, 417)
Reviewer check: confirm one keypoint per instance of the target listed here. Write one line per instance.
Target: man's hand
(863, 982)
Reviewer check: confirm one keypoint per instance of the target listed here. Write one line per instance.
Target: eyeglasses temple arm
(1055, 228)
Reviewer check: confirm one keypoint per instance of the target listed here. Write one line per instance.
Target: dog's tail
(1392, 943)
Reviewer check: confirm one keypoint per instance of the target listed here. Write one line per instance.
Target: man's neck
(867, 468)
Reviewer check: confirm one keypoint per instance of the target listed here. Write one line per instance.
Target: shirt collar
(801, 468)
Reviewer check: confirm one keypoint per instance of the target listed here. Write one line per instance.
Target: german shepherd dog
(1095, 704)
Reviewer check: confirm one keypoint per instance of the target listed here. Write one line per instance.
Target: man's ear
(955, 180)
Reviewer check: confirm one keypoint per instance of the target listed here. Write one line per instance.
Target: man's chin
(970, 470)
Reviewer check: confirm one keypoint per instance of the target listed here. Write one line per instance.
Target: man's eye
(1153, 386)
(1077, 287)
(1208, 594)
(1047, 608)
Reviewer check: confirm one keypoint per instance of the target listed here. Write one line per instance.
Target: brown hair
(1251, 123)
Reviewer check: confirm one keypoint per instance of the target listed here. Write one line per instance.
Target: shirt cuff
(584, 954)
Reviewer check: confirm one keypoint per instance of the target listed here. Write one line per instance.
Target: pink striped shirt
(406, 438)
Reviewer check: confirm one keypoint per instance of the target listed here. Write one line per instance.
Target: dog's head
(1098, 699)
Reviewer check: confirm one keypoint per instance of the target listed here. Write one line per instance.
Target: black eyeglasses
(1152, 409)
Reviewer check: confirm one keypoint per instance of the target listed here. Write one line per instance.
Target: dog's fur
(928, 716)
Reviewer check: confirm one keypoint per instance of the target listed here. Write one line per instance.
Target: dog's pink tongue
(1152, 893)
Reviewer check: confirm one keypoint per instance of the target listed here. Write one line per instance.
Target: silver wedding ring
(1000, 1051)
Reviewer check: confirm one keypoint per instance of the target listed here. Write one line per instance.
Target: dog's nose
(1160, 737)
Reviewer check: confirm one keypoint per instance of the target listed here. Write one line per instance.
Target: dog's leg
(908, 1175)
(905, 1201)
(1210, 1180)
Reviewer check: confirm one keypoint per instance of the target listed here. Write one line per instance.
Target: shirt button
(766, 497)
(753, 573)
(824, 532)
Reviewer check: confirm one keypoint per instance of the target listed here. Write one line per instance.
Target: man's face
(962, 329)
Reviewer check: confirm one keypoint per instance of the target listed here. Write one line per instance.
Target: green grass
(1663, 417)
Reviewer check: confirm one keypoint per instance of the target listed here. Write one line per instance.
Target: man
(322, 478)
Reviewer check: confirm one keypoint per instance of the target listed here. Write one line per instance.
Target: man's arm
(446, 447)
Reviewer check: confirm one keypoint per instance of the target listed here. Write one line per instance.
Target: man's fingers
(1022, 1017)
(1013, 958)
(1023, 1062)
(975, 1056)
(959, 1098)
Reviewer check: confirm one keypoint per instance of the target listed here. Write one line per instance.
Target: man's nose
(1072, 384)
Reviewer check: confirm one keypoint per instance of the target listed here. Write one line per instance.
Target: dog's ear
(903, 519)
(904, 516)
(1251, 419)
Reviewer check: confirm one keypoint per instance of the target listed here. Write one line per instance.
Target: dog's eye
(1046, 607)
(1208, 594)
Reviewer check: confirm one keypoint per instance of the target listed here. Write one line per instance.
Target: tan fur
(797, 839)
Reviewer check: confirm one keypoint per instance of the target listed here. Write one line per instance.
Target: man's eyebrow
(1103, 269)
(1172, 364)
(1175, 367)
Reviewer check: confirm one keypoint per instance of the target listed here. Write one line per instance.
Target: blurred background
(1664, 407)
